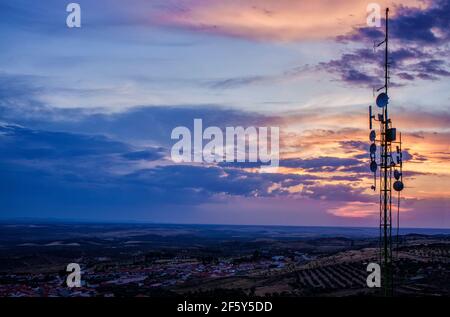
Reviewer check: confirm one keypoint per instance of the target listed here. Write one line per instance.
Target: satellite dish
(372, 135)
(397, 174)
(398, 186)
(373, 148)
(373, 166)
(382, 100)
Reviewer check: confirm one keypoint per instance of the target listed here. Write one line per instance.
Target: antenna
(387, 167)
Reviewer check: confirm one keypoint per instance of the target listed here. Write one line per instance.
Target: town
(181, 260)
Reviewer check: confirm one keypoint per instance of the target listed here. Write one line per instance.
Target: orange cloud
(279, 20)
(425, 137)
(355, 210)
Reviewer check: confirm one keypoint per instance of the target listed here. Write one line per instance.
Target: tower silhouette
(390, 164)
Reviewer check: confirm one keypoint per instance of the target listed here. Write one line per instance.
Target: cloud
(337, 192)
(77, 161)
(237, 82)
(419, 40)
(90, 159)
(93, 162)
(320, 164)
(317, 164)
(262, 20)
(20, 103)
(433, 68)
(363, 67)
(423, 25)
(81, 173)
(74, 174)
(22, 143)
(147, 155)
(283, 20)
(356, 210)
(207, 181)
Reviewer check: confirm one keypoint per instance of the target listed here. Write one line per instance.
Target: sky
(86, 113)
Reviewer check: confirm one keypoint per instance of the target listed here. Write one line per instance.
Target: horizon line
(31, 220)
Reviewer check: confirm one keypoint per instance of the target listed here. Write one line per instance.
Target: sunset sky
(86, 113)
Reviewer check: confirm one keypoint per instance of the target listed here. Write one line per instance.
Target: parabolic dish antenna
(382, 100)
(398, 186)
(373, 166)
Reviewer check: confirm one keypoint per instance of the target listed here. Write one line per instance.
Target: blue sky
(86, 114)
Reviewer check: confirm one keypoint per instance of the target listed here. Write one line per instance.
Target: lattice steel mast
(387, 165)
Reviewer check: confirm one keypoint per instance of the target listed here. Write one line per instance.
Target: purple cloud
(418, 48)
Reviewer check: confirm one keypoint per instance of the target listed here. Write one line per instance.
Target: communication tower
(388, 161)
